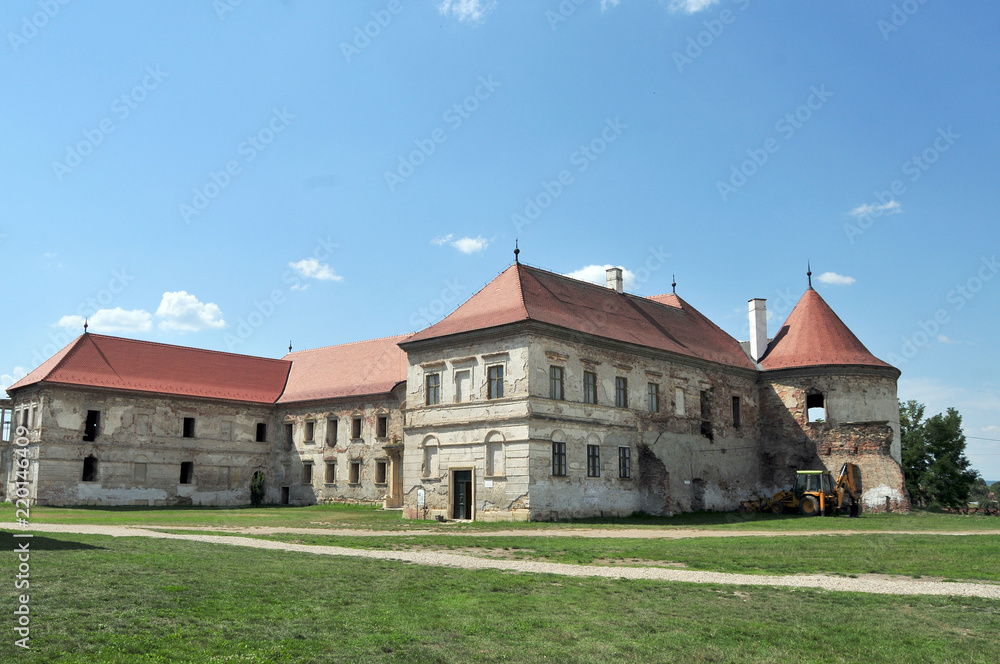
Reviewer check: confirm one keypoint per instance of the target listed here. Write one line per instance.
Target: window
(559, 459)
(589, 387)
(356, 428)
(139, 472)
(495, 459)
(187, 472)
(706, 414)
(261, 432)
(621, 392)
(331, 472)
(24, 417)
(593, 460)
(815, 408)
(310, 432)
(654, 398)
(380, 471)
(355, 472)
(736, 412)
(430, 461)
(463, 385)
(556, 383)
(189, 427)
(92, 426)
(679, 402)
(624, 463)
(382, 426)
(331, 433)
(89, 469)
(307, 473)
(432, 389)
(494, 383)
(289, 436)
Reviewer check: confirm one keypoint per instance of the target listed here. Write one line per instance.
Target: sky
(241, 174)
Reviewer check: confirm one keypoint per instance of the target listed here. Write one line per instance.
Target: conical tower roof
(813, 335)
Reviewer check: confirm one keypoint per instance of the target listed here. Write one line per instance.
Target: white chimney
(758, 328)
(615, 280)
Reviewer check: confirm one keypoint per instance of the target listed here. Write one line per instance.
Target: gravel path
(868, 584)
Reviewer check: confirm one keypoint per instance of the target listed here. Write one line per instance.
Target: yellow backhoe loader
(815, 493)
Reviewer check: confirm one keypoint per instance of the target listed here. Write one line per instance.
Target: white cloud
(183, 312)
(689, 6)
(467, 245)
(892, 207)
(945, 340)
(834, 279)
(608, 3)
(6, 380)
(310, 268)
(472, 11)
(597, 274)
(110, 320)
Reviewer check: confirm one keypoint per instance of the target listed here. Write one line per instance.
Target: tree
(934, 462)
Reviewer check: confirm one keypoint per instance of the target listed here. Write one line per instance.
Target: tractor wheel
(809, 506)
(777, 508)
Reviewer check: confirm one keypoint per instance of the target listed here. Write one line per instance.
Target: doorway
(284, 495)
(462, 506)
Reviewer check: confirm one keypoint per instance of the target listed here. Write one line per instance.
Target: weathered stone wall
(338, 445)
(861, 426)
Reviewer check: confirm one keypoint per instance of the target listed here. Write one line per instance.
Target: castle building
(540, 397)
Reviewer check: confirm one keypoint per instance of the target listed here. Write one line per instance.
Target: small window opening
(494, 382)
(556, 390)
(621, 392)
(382, 426)
(189, 427)
(331, 433)
(736, 412)
(589, 387)
(90, 469)
(331, 472)
(307, 473)
(380, 471)
(261, 432)
(355, 472)
(815, 408)
(92, 426)
(289, 436)
(706, 415)
(356, 428)
(310, 431)
(187, 472)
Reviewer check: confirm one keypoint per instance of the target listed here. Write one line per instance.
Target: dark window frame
(432, 389)
(593, 460)
(624, 463)
(590, 387)
(557, 384)
(621, 392)
(559, 459)
(653, 401)
(494, 381)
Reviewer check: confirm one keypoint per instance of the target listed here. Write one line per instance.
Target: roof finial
(289, 345)
(674, 285)
(809, 274)
(85, 325)
(517, 251)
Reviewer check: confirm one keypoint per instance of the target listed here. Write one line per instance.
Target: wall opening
(261, 432)
(815, 408)
(380, 471)
(90, 469)
(356, 428)
(187, 472)
(289, 436)
(355, 477)
(189, 427)
(382, 426)
(93, 424)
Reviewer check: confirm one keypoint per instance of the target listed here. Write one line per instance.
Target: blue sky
(234, 175)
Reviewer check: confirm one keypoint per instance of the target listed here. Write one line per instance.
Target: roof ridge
(200, 350)
(350, 343)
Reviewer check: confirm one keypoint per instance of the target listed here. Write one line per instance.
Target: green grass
(99, 599)
(960, 557)
(351, 516)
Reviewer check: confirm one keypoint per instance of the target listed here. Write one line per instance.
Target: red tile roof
(94, 360)
(814, 335)
(522, 293)
(360, 368)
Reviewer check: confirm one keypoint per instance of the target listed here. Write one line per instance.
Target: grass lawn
(352, 516)
(945, 556)
(136, 600)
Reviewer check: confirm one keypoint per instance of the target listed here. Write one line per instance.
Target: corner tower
(826, 400)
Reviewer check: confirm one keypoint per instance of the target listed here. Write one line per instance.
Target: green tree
(934, 462)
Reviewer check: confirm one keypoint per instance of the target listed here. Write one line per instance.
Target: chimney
(615, 279)
(758, 328)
